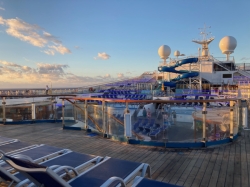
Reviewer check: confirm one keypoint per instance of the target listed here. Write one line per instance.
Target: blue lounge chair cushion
(72, 159)
(36, 153)
(40, 151)
(111, 167)
(13, 146)
(4, 139)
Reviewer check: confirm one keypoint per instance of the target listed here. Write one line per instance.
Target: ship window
(227, 75)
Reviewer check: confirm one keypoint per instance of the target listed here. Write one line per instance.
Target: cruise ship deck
(227, 165)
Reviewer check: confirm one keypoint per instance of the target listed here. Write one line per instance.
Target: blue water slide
(183, 73)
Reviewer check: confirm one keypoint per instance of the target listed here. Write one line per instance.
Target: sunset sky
(74, 43)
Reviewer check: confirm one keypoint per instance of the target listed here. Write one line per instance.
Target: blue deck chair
(4, 140)
(109, 171)
(41, 153)
(154, 133)
(75, 160)
(143, 182)
(15, 146)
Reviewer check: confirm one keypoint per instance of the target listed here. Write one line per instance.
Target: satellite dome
(177, 53)
(164, 51)
(227, 44)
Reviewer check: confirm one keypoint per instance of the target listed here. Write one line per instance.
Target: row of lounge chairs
(116, 92)
(148, 127)
(131, 96)
(44, 165)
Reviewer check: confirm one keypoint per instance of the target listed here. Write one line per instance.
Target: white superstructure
(217, 73)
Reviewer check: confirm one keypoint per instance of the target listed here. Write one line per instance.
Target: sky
(84, 42)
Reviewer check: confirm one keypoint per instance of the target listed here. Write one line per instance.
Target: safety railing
(161, 122)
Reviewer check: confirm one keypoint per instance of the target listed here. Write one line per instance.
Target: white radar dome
(227, 44)
(164, 51)
(177, 53)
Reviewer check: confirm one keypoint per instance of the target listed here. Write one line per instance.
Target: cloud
(54, 69)
(128, 72)
(245, 58)
(102, 56)
(34, 35)
(15, 75)
(1, 8)
(49, 52)
(77, 47)
(107, 76)
(120, 75)
(60, 49)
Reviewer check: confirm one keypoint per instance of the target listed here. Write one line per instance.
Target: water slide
(183, 73)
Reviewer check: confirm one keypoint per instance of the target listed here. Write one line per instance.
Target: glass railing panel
(180, 124)
(236, 118)
(69, 114)
(95, 117)
(18, 113)
(217, 123)
(115, 120)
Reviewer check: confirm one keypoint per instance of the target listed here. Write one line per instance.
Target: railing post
(204, 113)
(86, 115)
(33, 111)
(4, 117)
(231, 121)
(103, 118)
(194, 124)
(55, 114)
(75, 111)
(63, 124)
(239, 116)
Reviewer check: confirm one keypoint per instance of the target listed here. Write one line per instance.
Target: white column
(33, 109)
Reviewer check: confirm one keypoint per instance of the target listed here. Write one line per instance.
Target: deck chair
(15, 146)
(109, 172)
(4, 140)
(74, 161)
(143, 182)
(37, 154)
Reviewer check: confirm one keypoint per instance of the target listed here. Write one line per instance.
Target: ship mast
(204, 41)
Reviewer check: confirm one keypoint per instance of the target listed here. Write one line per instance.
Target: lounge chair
(4, 140)
(154, 133)
(109, 171)
(38, 154)
(74, 160)
(143, 182)
(15, 146)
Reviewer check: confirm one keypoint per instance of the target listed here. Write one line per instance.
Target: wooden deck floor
(228, 165)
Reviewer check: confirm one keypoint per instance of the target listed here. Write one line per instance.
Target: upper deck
(227, 165)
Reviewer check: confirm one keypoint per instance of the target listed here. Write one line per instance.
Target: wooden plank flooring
(226, 165)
